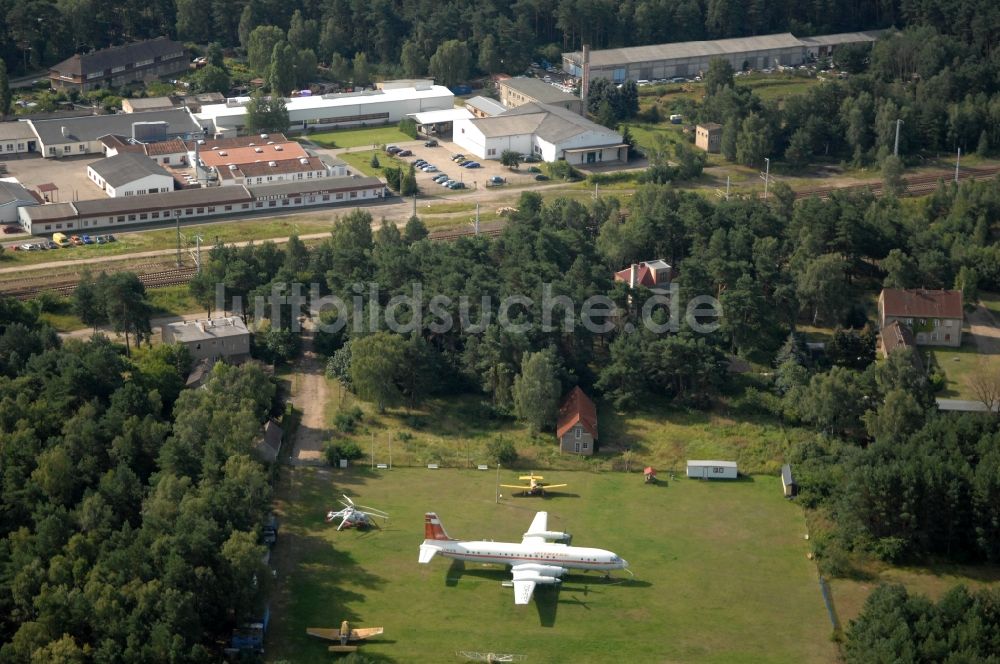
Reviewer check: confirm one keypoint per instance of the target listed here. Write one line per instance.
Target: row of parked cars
(63, 242)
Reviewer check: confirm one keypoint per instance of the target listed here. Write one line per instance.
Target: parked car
(111, 238)
(11, 229)
(541, 178)
(392, 149)
(534, 169)
(530, 159)
(404, 153)
(49, 244)
(471, 164)
(419, 162)
(431, 143)
(440, 178)
(76, 240)
(457, 185)
(87, 239)
(448, 183)
(495, 180)
(458, 157)
(464, 162)
(30, 246)
(429, 168)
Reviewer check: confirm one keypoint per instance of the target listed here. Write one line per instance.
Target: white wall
(151, 184)
(467, 136)
(15, 145)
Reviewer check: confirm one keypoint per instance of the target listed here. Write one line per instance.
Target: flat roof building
(484, 107)
(708, 137)
(17, 137)
(212, 339)
(119, 65)
(371, 107)
(518, 91)
(712, 470)
(12, 197)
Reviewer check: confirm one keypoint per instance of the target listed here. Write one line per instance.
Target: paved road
(985, 331)
(962, 405)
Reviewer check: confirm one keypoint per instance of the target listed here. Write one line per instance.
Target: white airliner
(540, 557)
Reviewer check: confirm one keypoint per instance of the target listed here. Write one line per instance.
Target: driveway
(310, 394)
(984, 330)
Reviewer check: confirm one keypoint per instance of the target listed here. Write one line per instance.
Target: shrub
(346, 421)
(409, 127)
(501, 451)
(347, 449)
(562, 170)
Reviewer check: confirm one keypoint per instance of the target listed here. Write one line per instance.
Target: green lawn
(172, 301)
(958, 365)
(362, 162)
(166, 238)
(778, 87)
(721, 573)
(355, 138)
(992, 302)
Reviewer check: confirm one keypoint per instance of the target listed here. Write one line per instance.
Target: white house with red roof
(934, 317)
(576, 427)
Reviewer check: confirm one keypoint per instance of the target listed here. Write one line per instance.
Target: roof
(12, 131)
(550, 123)
(710, 126)
(212, 328)
(262, 152)
(93, 127)
(238, 141)
(270, 443)
(317, 186)
(236, 107)
(786, 475)
(261, 168)
(486, 105)
(646, 273)
(577, 408)
(899, 337)
(12, 192)
(126, 167)
(117, 56)
(151, 103)
(921, 303)
(444, 115)
(711, 462)
(539, 90)
(842, 38)
(691, 49)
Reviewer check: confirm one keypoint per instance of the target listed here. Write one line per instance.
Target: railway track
(27, 289)
(915, 186)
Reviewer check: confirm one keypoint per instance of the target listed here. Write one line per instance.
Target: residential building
(519, 91)
(269, 444)
(708, 137)
(687, 59)
(894, 337)
(213, 338)
(120, 65)
(205, 202)
(130, 174)
(654, 275)
(17, 137)
(548, 132)
(712, 470)
(576, 427)
(65, 137)
(13, 197)
(484, 107)
(934, 317)
(367, 107)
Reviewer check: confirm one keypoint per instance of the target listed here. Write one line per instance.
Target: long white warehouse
(372, 107)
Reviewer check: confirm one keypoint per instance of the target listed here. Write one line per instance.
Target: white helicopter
(355, 516)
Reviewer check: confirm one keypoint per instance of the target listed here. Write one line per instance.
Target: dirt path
(309, 394)
(985, 331)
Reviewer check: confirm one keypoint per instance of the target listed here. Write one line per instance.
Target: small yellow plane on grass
(535, 487)
(344, 635)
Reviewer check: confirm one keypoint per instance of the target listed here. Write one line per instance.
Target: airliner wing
(538, 525)
(523, 590)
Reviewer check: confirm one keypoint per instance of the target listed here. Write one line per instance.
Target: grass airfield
(721, 573)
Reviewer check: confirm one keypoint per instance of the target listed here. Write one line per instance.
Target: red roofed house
(896, 337)
(934, 317)
(577, 424)
(654, 275)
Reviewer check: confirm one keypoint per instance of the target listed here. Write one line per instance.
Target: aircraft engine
(550, 535)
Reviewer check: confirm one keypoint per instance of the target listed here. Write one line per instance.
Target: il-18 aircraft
(539, 558)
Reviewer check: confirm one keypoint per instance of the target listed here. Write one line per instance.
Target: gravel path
(309, 394)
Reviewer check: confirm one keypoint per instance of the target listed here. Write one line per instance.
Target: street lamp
(767, 175)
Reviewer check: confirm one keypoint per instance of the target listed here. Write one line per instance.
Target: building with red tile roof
(934, 317)
(576, 427)
(654, 275)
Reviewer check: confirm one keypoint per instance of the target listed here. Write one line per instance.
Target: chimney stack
(585, 78)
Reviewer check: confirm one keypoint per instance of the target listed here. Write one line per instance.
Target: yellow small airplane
(344, 635)
(535, 487)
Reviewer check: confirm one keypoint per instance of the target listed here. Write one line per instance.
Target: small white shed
(712, 470)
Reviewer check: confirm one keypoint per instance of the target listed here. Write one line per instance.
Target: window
(166, 213)
(52, 150)
(491, 152)
(143, 216)
(948, 323)
(67, 149)
(156, 215)
(131, 217)
(10, 147)
(245, 206)
(82, 148)
(228, 208)
(187, 211)
(201, 210)
(340, 196)
(354, 194)
(326, 197)
(121, 218)
(211, 209)
(578, 432)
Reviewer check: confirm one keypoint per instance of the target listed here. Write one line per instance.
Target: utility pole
(373, 450)
(390, 450)
(895, 149)
(178, 219)
(477, 217)
(498, 483)
(958, 161)
(727, 187)
(414, 205)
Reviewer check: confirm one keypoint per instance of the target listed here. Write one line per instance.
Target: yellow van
(60, 239)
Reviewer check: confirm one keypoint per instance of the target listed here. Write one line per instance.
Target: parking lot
(69, 174)
(473, 178)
